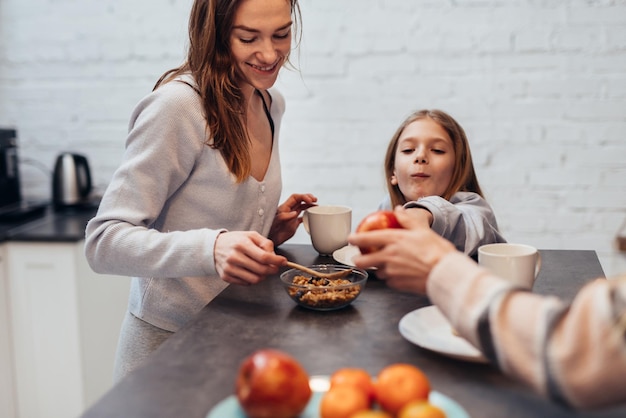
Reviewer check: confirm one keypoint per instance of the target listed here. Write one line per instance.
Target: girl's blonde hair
(463, 177)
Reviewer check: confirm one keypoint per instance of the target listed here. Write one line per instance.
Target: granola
(323, 293)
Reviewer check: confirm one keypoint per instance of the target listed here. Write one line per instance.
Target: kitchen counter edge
(54, 225)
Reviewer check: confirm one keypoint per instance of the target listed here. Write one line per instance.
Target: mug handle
(538, 264)
(305, 222)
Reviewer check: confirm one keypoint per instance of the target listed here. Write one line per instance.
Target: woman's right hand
(245, 257)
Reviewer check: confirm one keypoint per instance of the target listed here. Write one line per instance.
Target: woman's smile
(267, 69)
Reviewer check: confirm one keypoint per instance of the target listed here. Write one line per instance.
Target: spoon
(335, 275)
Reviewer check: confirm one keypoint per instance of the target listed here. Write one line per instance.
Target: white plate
(428, 328)
(229, 407)
(345, 254)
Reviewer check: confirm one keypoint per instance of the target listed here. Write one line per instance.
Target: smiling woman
(260, 41)
(189, 210)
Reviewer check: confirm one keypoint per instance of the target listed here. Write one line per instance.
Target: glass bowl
(323, 294)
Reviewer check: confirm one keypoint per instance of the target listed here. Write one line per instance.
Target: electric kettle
(71, 181)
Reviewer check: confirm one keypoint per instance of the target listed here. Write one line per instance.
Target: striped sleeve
(574, 354)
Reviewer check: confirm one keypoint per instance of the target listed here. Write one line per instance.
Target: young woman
(195, 203)
(428, 167)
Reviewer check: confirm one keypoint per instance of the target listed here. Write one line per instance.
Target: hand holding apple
(382, 219)
(272, 384)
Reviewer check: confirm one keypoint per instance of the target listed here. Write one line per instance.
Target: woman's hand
(288, 217)
(406, 256)
(245, 257)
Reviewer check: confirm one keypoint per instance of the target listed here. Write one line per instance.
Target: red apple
(272, 384)
(381, 219)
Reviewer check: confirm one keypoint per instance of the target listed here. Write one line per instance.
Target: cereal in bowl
(323, 293)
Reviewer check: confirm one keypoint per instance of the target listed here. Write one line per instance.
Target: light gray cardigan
(168, 201)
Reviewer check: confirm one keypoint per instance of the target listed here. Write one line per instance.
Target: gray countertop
(53, 225)
(196, 368)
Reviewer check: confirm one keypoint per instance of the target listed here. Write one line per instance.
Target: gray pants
(138, 339)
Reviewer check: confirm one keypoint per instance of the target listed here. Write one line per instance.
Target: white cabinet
(65, 322)
(7, 380)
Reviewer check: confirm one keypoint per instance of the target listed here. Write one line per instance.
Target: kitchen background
(539, 85)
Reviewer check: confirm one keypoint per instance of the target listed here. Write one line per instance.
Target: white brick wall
(539, 86)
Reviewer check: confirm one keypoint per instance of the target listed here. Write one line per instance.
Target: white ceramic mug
(518, 263)
(329, 227)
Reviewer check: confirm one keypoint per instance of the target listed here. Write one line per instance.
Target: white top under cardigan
(168, 201)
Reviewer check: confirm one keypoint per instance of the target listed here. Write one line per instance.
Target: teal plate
(229, 407)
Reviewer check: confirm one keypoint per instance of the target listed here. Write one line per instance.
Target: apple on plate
(272, 384)
(381, 219)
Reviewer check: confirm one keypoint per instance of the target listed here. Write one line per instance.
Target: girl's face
(424, 160)
(260, 40)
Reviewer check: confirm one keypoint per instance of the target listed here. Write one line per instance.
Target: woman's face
(424, 160)
(260, 40)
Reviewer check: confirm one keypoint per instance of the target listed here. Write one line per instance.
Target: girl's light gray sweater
(167, 202)
(466, 220)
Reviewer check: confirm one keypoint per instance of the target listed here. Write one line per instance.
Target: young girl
(194, 204)
(429, 169)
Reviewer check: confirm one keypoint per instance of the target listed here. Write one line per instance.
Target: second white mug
(329, 227)
(518, 263)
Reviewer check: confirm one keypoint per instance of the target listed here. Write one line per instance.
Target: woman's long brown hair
(463, 177)
(209, 62)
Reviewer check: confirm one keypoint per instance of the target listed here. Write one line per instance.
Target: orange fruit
(398, 384)
(352, 376)
(371, 414)
(343, 402)
(421, 409)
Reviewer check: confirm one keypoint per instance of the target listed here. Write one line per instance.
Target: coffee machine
(12, 206)
(10, 193)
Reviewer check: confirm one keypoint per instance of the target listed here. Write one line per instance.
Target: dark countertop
(196, 368)
(51, 225)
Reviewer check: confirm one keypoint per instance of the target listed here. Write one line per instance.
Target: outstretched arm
(467, 220)
(574, 354)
